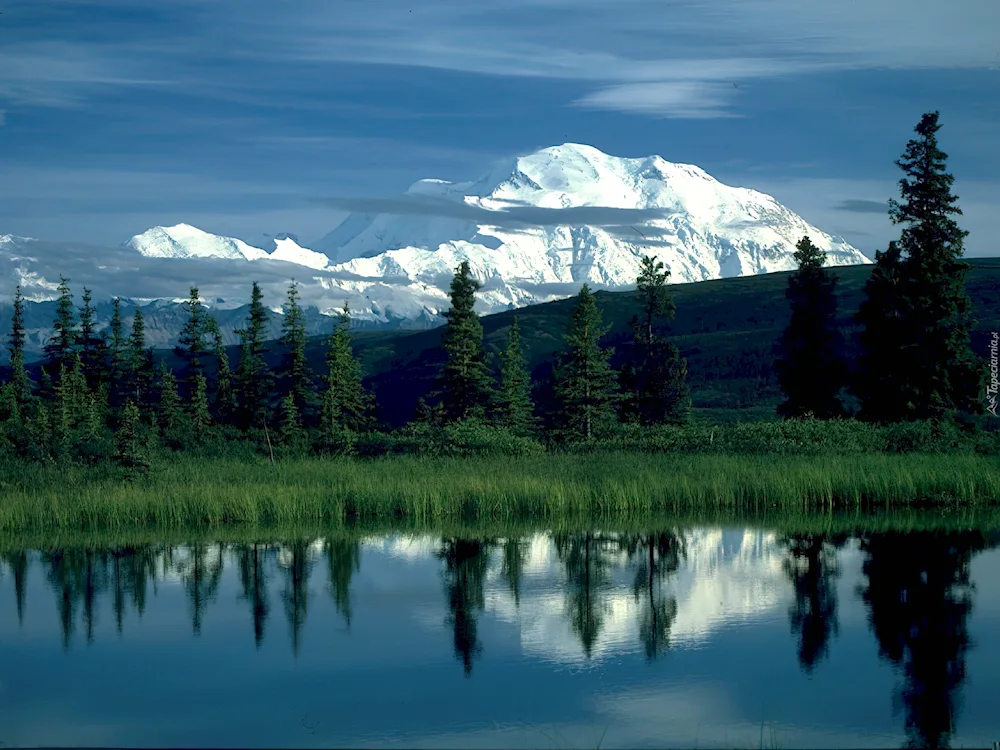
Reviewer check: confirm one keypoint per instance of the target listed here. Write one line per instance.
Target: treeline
(100, 395)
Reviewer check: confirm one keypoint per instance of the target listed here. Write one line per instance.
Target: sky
(242, 117)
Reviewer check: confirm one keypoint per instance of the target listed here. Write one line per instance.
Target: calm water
(700, 636)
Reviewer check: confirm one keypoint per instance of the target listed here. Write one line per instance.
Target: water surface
(708, 637)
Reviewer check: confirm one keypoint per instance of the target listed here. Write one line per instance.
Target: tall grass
(189, 492)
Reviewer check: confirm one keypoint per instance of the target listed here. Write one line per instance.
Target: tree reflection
(343, 560)
(515, 555)
(919, 598)
(812, 568)
(17, 563)
(251, 567)
(200, 575)
(296, 591)
(655, 557)
(587, 560)
(466, 561)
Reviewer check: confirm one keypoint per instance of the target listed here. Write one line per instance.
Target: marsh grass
(427, 491)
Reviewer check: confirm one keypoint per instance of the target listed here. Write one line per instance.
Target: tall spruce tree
(810, 367)
(61, 346)
(253, 379)
(585, 383)
(294, 366)
(116, 347)
(346, 405)
(21, 388)
(656, 377)
(92, 349)
(465, 380)
(918, 286)
(138, 364)
(515, 410)
(191, 347)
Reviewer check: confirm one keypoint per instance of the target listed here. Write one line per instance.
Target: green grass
(426, 491)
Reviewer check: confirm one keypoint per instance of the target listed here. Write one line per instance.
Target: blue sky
(239, 116)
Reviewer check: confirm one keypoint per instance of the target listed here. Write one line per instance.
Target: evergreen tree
(138, 363)
(129, 450)
(253, 379)
(655, 380)
(291, 433)
(465, 381)
(585, 386)
(514, 407)
(346, 405)
(92, 350)
(20, 384)
(116, 348)
(201, 417)
(75, 410)
(918, 315)
(225, 397)
(191, 343)
(810, 367)
(295, 368)
(61, 346)
(170, 412)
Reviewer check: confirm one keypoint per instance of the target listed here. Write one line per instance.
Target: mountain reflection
(915, 588)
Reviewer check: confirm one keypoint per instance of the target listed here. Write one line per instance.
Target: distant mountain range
(533, 229)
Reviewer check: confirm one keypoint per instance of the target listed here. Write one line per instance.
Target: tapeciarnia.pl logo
(994, 386)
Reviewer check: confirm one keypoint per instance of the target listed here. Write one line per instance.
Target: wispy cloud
(863, 206)
(512, 217)
(646, 56)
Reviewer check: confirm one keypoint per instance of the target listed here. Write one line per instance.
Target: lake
(707, 637)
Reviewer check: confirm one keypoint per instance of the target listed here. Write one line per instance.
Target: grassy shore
(184, 493)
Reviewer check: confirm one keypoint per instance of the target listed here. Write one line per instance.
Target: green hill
(726, 328)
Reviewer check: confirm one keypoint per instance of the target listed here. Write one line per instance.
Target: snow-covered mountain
(533, 229)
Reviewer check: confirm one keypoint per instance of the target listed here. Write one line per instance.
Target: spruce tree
(92, 350)
(515, 409)
(138, 374)
(655, 380)
(116, 353)
(200, 416)
(291, 434)
(170, 414)
(253, 379)
(21, 389)
(61, 346)
(191, 342)
(294, 367)
(465, 380)
(225, 396)
(585, 383)
(129, 449)
(919, 285)
(810, 367)
(346, 405)
(880, 382)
